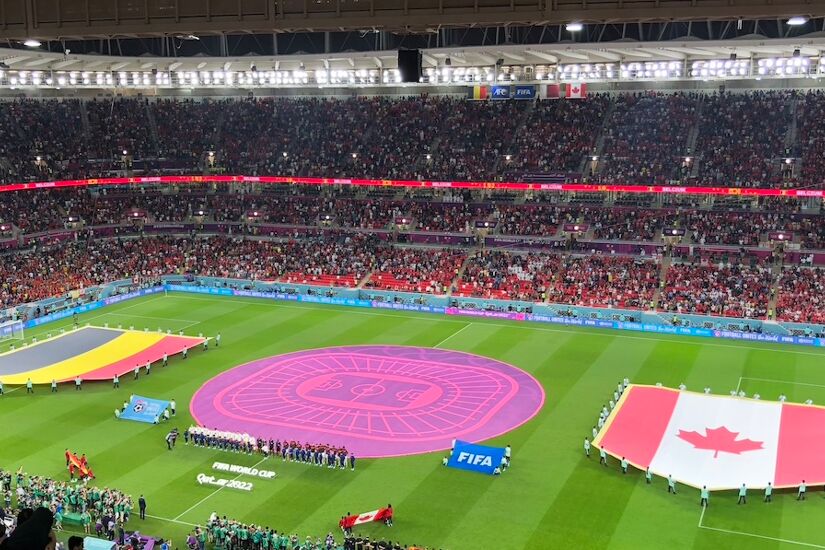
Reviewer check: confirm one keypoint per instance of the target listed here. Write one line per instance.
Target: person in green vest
(671, 485)
(648, 477)
(86, 521)
(743, 494)
(768, 492)
(256, 538)
(802, 488)
(624, 465)
(202, 538)
(703, 496)
(58, 520)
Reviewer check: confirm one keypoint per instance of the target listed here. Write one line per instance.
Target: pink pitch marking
(170, 345)
(375, 400)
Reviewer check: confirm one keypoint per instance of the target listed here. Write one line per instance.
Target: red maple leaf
(720, 440)
(574, 89)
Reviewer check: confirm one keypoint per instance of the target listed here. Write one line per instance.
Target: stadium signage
(513, 186)
(501, 92)
(204, 479)
(243, 470)
(525, 92)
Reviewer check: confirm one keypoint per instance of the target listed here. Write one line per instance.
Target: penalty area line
(753, 535)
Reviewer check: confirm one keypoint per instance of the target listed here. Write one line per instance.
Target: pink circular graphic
(378, 401)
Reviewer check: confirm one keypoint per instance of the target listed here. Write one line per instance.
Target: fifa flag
(717, 441)
(144, 409)
(475, 458)
(576, 90)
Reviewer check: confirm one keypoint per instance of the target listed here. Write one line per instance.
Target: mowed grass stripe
(568, 493)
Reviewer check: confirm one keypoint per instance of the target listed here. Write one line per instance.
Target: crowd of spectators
(117, 125)
(726, 288)
(811, 138)
(475, 140)
(606, 281)
(509, 276)
(741, 136)
(416, 270)
(645, 139)
(801, 296)
(556, 135)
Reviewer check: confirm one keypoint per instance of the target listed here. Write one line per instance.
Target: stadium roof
(592, 62)
(50, 19)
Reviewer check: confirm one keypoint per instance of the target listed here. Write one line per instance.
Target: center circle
(368, 389)
(376, 401)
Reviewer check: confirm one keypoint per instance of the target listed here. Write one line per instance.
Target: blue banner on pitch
(475, 458)
(144, 409)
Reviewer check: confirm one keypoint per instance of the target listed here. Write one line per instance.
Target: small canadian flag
(576, 90)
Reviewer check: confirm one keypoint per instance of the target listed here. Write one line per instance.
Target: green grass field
(552, 497)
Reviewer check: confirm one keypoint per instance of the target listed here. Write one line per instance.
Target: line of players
(292, 451)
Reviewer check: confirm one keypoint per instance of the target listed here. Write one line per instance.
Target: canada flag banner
(382, 514)
(576, 90)
(717, 441)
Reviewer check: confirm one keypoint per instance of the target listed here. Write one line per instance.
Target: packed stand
(447, 217)
(646, 137)
(801, 295)
(810, 114)
(507, 276)
(740, 137)
(710, 287)
(475, 139)
(533, 220)
(557, 136)
(119, 125)
(41, 140)
(186, 129)
(416, 270)
(606, 281)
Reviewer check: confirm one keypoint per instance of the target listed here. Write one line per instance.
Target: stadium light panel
(574, 27)
(32, 43)
(797, 20)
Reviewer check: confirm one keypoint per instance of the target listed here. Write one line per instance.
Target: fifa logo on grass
(474, 459)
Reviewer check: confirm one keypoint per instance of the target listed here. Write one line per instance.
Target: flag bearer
(703, 496)
(743, 493)
(768, 492)
(587, 447)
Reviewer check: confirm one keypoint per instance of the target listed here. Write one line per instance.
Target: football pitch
(551, 497)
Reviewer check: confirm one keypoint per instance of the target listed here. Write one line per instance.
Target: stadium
(406, 275)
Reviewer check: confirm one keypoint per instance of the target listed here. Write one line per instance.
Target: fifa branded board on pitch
(475, 458)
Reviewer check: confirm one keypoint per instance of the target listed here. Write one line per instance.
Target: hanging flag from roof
(576, 90)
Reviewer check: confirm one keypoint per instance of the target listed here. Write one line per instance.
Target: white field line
(456, 333)
(739, 384)
(213, 493)
(171, 520)
(754, 535)
(781, 382)
(613, 334)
